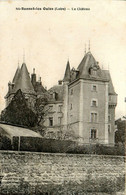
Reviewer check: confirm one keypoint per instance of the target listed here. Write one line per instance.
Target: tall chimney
(33, 78)
(39, 79)
(9, 86)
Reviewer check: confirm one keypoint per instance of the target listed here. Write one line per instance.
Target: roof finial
(89, 46)
(23, 56)
(85, 49)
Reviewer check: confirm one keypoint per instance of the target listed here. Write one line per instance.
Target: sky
(49, 38)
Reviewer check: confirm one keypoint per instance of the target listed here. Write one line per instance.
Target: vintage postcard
(62, 97)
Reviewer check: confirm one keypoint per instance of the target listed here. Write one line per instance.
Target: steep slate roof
(67, 72)
(16, 76)
(24, 82)
(39, 88)
(87, 61)
(59, 90)
(111, 87)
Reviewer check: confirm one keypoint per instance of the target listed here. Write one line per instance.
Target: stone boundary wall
(52, 173)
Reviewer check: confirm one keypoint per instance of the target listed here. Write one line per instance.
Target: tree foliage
(40, 110)
(120, 133)
(18, 113)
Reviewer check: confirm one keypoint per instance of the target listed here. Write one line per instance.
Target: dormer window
(73, 74)
(51, 95)
(94, 72)
(60, 82)
(93, 69)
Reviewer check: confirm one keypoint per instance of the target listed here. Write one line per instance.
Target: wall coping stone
(60, 154)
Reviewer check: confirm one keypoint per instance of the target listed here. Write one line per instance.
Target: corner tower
(88, 102)
(22, 81)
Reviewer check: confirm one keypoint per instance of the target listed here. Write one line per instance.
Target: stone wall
(44, 173)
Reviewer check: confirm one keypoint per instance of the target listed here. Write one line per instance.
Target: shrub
(98, 149)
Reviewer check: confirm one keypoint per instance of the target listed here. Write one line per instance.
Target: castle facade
(84, 100)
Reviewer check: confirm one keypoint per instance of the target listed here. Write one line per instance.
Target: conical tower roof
(87, 62)
(17, 75)
(108, 77)
(67, 72)
(24, 82)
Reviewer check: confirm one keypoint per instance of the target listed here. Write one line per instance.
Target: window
(109, 117)
(94, 88)
(26, 99)
(94, 103)
(51, 121)
(51, 95)
(93, 133)
(71, 106)
(94, 117)
(50, 108)
(109, 128)
(59, 120)
(60, 82)
(94, 72)
(110, 98)
(60, 108)
(71, 92)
